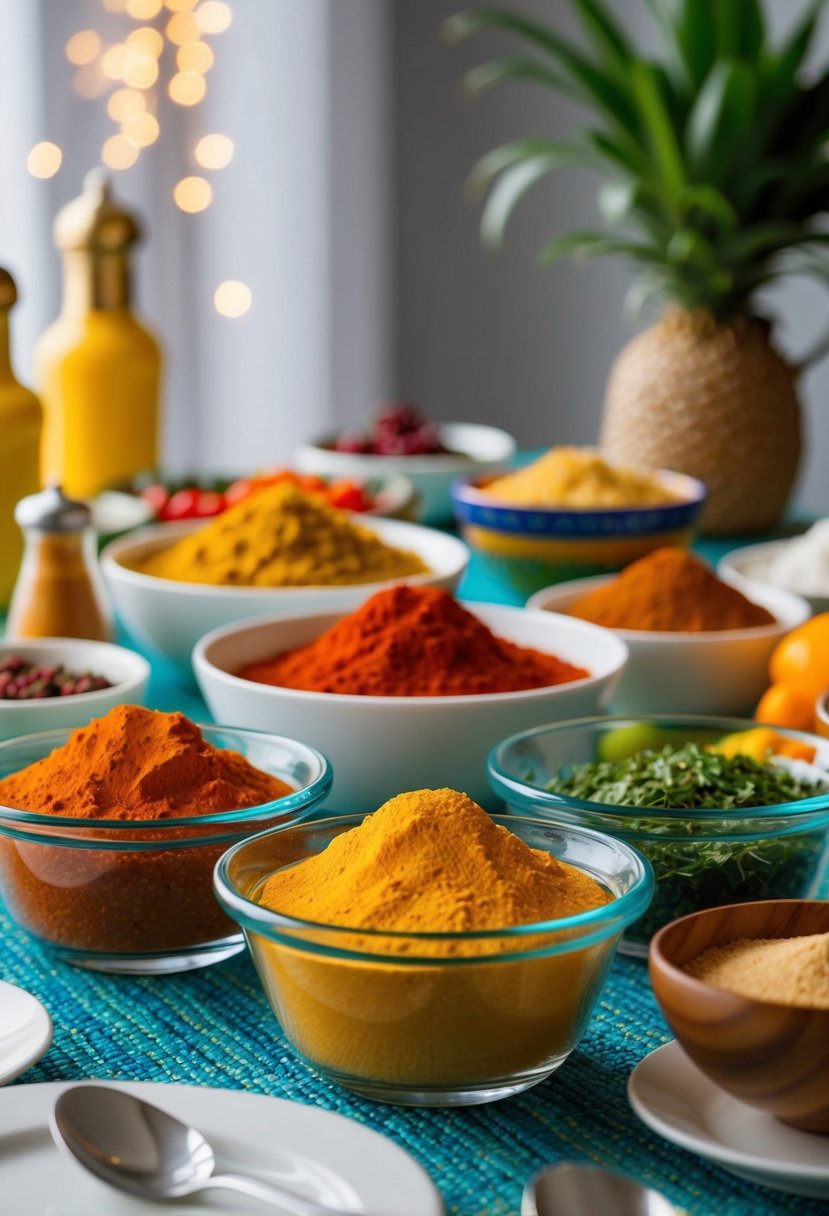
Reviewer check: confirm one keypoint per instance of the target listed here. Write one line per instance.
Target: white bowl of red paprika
(382, 744)
(722, 671)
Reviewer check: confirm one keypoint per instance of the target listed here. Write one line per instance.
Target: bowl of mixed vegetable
(725, 811)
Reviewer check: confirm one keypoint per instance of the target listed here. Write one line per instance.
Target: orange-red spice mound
(138, 764)
(412, 642)
(669, 590)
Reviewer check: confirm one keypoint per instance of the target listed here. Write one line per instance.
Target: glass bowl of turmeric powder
(507, 930)
(111, 868)
(726, 811)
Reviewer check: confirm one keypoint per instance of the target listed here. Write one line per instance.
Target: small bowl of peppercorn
(49, 683)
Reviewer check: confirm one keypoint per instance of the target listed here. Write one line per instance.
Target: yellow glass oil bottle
(20, 426)
(98, 368)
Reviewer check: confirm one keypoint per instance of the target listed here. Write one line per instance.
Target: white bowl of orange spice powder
(109, 833)
(697, 645)
(429, 954)
(745, 989)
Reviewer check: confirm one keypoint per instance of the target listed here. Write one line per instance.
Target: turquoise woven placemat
(214, 1028)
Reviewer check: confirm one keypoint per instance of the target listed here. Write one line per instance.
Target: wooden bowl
(774, 1057)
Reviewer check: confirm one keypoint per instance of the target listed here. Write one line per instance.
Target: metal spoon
(586, 1190)
(140, 1149)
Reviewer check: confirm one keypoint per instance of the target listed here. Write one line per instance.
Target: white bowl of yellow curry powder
(430, 954)
(282, 552)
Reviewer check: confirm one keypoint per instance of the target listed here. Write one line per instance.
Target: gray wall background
(497, 338)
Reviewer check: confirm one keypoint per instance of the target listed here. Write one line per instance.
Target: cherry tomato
(157, 497)
(209, 503)
(348, 496)
(182, 505)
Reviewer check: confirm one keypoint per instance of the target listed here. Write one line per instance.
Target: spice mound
(282, 537)
(21, 680)
(412, 642)
(137, 764)
(144, 884)
(784, 971)
(669, 590)
(430, 861)
(414, 1011)
(578, 477)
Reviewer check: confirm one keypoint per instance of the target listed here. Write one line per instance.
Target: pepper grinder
(59, 591)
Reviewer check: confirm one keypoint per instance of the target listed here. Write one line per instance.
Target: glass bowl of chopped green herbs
(725, 811)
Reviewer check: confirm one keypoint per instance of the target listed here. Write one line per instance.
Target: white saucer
(25, 1031)
(322, 1155)
(677, 1101)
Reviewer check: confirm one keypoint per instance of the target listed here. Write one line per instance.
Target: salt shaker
(59, 591)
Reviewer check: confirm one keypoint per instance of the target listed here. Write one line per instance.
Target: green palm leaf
(507, 192)
(714, 150)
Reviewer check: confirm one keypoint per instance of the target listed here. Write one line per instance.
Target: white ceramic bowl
(380, 746)
(127, 671)
(748, 568)
(480, 450)
(722, 672)
(170, 617)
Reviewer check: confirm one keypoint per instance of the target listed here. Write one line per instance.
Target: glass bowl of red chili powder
(116, 874)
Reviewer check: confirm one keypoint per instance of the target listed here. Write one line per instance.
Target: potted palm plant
(716, 177)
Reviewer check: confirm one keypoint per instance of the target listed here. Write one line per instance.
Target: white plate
(321, 1155)
(25, 1031)
(677, 1101)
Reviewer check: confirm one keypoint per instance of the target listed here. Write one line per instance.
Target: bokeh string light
(164, 52)
(232, 298)
(193, 193)
(44, 159)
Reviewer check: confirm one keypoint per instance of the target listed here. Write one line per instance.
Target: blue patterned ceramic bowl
(531, 547)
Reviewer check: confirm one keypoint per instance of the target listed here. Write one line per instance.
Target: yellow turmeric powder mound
(393, 1016)
(578, 477)
(431, 861)
(282, 537)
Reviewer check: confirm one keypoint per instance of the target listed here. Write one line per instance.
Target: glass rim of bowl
(506, 784)
(599, 923)
(299, 800)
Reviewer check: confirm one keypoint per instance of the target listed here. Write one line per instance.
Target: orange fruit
(791, 705)
(802, 657)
